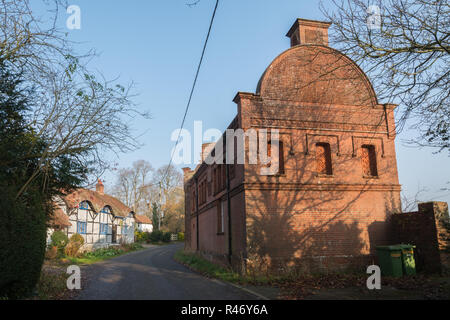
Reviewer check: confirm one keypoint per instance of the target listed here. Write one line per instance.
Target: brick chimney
(309, 32)
(206, 149)
(99, 187)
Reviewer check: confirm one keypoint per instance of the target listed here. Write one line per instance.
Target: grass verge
(52, 285)
(339, 284)
(206, 268)
(209, 269)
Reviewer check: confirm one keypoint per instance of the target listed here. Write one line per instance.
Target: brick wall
(313, 95)
(429, 230)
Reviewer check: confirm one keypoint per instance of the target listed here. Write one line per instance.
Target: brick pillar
(439, 212)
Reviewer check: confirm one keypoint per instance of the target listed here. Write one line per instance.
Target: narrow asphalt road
(152, 274)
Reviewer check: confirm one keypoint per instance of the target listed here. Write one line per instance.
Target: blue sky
(157, 44)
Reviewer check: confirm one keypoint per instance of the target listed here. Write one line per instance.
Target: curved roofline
(91, 205)
(353, 63)
(122, 211)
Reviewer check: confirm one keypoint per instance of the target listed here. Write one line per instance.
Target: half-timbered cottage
(101, 219)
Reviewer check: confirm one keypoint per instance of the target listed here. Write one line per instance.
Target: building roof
(317, 74)
(97, 201)
(142, 219)
(59, 219)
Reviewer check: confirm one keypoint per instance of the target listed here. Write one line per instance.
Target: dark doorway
(114, 234)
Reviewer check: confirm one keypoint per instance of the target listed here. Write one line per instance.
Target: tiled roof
(142, 219)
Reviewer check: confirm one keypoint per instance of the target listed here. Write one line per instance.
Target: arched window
(369, 161)
(106, 210)
(323, 159)
(84, 205)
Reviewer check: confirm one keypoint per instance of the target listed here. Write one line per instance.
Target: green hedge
(23, 242)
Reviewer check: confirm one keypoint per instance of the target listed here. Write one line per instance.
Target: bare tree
(403, 46)
(133, 186)
(171, 197)
(140, 187)
(409, 203)
(78, 112)
(170, 179)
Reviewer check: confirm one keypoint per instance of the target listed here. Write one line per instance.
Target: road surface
(152, 274)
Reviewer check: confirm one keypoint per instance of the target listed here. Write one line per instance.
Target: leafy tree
(23, 220)
(155, 216)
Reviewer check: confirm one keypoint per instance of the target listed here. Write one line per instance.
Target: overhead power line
(192, 89)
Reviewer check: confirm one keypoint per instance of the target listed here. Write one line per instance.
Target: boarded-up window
(202, 192)
(369, 161)
(323, 159)
(193, 202)
(224, 177)
(220, 217)
(279, 159)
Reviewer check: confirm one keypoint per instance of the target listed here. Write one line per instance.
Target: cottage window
(81, 227)
(369, 161)
(323, 159)
(84, 205)
(103, 228)
(105, 210)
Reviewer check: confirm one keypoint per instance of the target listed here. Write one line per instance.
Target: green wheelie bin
(409, 264)
(390, 260)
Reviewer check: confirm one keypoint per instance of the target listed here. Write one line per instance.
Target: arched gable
(316, 74)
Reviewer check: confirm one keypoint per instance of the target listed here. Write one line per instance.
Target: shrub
(141, 236)
(77, 238)
(105, 252)
(51, 253)
(59, 240)
(73, 247)
(166, 237)
(180, 236)
(156, 236)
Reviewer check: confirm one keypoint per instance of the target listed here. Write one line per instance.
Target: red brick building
(337, 182)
